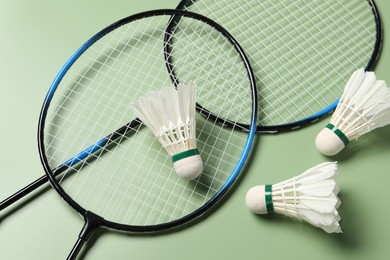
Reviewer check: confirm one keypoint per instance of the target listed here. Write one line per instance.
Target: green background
(37, 37)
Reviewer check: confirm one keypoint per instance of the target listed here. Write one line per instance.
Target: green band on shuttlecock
(338, 132)
(268, 198)
(185, 154)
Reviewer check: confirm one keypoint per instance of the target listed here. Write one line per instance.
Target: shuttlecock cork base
(188, 164)
(259, 199)
(331, 140)
(363, 107)
(170, 115)
(311, 196)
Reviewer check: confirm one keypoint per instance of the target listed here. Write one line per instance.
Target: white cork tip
(190, 167)
(328, 143)
(255, 200)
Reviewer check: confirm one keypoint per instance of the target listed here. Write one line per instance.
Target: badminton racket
(114, 172)
(180, 67)
(302, 51)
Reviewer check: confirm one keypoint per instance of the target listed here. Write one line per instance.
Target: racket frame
(329, 109)
(92, 220)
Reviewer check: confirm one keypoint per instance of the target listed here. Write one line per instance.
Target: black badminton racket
(302, 51)
(114, 172)
(180, 67)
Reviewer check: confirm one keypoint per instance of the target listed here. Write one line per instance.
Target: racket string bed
(301, 51)
(113, 170)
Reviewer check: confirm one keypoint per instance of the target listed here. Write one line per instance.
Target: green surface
(36, 39)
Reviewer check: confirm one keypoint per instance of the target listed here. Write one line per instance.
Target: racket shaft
(23, 192)
(60, 169)
(92, 221)
(69, 163)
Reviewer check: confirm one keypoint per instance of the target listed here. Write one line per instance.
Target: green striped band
(268, 198)
(185, 154)
(338, 132)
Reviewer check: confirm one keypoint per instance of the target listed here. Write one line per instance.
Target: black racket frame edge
(92, 220)
(272, 129)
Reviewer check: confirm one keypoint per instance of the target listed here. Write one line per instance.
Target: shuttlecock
(311, 196)
(170, 115)
(363, 107)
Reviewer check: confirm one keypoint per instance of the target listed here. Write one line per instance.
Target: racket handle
(23, 192)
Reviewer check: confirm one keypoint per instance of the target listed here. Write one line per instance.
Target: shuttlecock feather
(170, 115)
(311, 196)
(363, 107)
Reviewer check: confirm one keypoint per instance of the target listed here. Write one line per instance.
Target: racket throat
(92, 221)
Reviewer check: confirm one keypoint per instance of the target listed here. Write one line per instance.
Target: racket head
(107, 161)
(302, 52)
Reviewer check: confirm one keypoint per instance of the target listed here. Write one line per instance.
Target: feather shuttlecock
(170, 115)
(363, 107)
(311, 196)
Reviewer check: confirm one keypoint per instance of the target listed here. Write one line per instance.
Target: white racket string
(301, 51)
(131, 180)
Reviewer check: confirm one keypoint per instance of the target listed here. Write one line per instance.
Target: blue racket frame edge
(92, 220)
(272, 129)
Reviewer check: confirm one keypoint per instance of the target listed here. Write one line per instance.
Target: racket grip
(23, 192)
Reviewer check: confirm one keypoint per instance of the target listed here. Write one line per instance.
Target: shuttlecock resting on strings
(363, 107)
(170, 115)
(311, 196)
